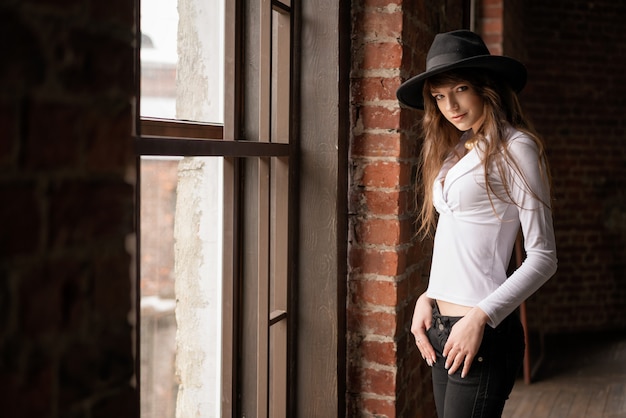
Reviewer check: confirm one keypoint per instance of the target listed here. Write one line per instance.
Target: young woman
(484, 176)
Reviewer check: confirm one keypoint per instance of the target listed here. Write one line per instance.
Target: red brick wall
(490, 24)
(575, 96)
(386, 376)
(66, 173)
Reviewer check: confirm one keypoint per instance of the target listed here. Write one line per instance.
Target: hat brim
(508, 69)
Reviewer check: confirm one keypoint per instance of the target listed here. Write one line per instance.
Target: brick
(373, 23)
(384, 174)
(371, 322)
(375, 261)
(8, 127)
(380, 117)
(21, 231)
(87, 366)
(79, 368)
(385, 203)
(379, 407)
(369, 89)
(380, 382)
(28, 393)
(59, 294)
(59, 4)
(119, 11)
(381, 3)
(380, 352)
(492, 27)
(40, 301)
(491, 4)
(403, 290)
(491, 10)
(23, 64)
(379, 231)
(53, 124)
(82, 212)
(101, 124)
(102, 64)
(378, 145)
(383, 55)
(122, 404)
(375, 292)
(111, 279)
(383, 231)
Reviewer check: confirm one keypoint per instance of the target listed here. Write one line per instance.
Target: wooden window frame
(275, 143)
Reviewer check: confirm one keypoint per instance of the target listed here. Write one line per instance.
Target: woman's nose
(452, 104)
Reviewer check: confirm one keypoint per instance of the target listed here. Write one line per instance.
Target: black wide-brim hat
(461, 49)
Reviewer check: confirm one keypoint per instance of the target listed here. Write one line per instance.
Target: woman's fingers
(425, 347)
(466, 365)
(422, 319)
(457, 354)
(456, 359)
(464, 341)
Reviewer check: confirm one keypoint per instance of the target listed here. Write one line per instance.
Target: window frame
(164, 137)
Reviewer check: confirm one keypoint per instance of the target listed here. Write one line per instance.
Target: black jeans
(482, 393)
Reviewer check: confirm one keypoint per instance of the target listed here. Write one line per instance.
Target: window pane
(182, 59)
(181, 286)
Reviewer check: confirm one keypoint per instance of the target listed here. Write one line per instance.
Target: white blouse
(473, 243)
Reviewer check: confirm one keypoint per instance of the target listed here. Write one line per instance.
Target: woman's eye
(462, 88)
(438, 96)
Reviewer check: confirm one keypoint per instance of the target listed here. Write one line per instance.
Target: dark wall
(576, 96)
(66, 181)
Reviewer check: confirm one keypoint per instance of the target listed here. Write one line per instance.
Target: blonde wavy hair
(440, 138)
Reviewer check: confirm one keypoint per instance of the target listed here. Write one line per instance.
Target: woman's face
(460, 105)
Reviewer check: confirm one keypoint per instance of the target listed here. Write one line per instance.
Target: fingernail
(462, 375)
(430, 363)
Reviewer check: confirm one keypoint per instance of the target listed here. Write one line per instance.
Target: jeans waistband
(442, 321)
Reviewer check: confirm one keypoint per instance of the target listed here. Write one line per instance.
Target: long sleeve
(535, 219)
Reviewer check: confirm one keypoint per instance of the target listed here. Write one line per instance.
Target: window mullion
(265, 77)
(263, 267)
(231, 230)
(232, 67)
(265, 70)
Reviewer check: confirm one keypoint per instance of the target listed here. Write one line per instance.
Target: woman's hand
(422, 321)
(464, 341)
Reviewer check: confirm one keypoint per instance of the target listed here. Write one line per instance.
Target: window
(215, 145)
(182, 60)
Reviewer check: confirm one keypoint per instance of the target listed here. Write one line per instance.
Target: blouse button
(440, 327)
